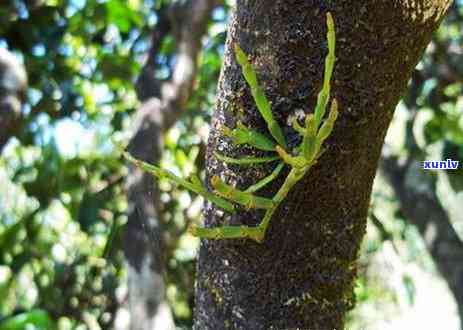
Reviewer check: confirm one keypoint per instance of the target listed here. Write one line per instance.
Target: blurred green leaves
(62, 213)
(124, 14)
(37, 319)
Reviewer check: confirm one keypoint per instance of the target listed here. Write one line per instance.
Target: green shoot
(300, 159)
(260, 184)
(309, 137)
(298, 128)
(192, 186)
(293, 161)
(246, 199)
(243, 135)
(307, 153)
(328, 125)
(262, 103)
(324, 94)
(227, 232)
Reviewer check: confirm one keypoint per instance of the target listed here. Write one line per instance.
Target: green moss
(215, 292)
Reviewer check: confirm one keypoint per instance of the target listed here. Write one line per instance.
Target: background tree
(163, 102)
(13, 84)
(434, 116)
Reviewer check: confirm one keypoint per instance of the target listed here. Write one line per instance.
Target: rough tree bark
(162, 104)
(420, 205)
(302, 275)
(13, 84)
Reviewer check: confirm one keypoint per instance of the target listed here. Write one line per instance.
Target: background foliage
(62, 201)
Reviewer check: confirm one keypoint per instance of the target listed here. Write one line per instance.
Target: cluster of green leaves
(300, 160)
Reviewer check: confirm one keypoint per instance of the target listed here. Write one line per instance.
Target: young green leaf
(327, 127)
(227, 232)
(309, 139)
(196, 181)
(262, 103)
(293, 161)
(246, 199)
(241, 135)
(324, 94)
(307, 153)
(298, 128)
(260, 184)
(194, 186)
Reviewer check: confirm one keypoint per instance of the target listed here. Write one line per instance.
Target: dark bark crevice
(302, 275)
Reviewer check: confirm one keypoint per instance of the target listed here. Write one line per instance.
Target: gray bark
(302, 275)
(162, 104)
(13, 84)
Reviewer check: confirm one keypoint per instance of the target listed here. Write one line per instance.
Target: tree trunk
(13, 84)
(162, 104)
(302, 275)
